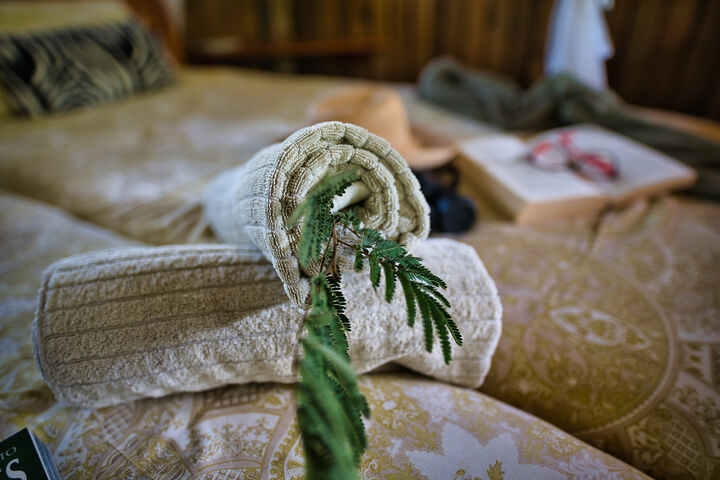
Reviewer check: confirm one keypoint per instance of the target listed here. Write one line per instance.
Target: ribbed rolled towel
(251, 204)
(122, 324)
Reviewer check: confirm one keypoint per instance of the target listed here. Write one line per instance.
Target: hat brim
(426, 158)
(427, 149)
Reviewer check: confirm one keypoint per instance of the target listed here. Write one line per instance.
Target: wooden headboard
(157, 18)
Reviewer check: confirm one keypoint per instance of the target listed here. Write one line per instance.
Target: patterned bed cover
(610, 328)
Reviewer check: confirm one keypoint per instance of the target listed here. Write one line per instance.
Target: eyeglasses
(560, 154)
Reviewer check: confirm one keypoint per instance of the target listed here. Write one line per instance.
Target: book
(24, 456)
(507, 169)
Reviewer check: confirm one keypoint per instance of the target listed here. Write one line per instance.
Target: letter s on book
(14, 474)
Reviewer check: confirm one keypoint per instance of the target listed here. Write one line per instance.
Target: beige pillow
(34, 17)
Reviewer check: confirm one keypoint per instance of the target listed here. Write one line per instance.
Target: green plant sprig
(330, 406)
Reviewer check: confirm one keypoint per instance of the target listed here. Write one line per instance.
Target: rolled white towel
(123, 324)
(251, 204)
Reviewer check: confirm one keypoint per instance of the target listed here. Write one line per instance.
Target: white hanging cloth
(578, 41)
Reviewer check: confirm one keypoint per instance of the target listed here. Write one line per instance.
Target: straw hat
(381, 111)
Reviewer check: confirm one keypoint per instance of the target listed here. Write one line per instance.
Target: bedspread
(611, 330)
(419, 428)
(140, 166)
(610, 327)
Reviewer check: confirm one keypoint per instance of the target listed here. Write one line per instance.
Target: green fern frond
(414, 266)
(390, 280)
(432, 297)
(359, 259)
(435, 293)
(338, 301)
(323, 421)
(349, 217)
(426, 315)
(369, 237)
(336, 374)
(409, 298)
(343, 372)
(441, 330)
(387, 250)
(420, 287)
(330, 404)
(374, 271)
(315, 211)
(325, 457)
(454, 331)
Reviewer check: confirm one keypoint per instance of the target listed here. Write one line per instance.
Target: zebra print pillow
(61, 70)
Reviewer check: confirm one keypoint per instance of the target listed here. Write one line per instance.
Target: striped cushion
(61, 70)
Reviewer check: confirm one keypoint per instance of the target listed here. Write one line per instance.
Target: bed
(607, 366)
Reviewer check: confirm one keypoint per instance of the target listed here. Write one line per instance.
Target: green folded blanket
(563, 100)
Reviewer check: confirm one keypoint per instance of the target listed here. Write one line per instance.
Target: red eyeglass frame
(598, 165)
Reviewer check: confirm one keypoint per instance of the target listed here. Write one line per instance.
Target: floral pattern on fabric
(611, 328)
(249, 431)
(464, 457)
(610, 331)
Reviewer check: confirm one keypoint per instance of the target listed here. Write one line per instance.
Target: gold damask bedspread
(611, 327)
(611, 331)
(419, 428)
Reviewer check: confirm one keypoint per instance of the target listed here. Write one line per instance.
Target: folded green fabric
(563, 100)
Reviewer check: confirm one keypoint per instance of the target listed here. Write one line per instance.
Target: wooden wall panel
(696, 86)
(667, 51)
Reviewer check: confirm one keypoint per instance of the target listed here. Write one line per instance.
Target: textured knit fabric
(251, 204)
(122, 324)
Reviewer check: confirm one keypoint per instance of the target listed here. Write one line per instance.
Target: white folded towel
(122, 324)
(251, 205)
